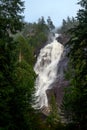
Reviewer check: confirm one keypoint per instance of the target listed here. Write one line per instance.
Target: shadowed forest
(20, 44)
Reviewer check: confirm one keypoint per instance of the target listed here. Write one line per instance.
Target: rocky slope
(57, 88)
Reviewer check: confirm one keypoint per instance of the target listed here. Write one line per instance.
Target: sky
(56, 9)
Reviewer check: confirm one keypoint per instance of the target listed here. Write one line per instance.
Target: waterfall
(46, 70)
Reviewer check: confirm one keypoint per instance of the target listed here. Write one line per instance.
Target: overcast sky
(56, 9)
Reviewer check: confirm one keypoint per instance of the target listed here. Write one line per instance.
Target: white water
(46, 69)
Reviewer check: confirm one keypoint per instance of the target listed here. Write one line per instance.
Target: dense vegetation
(16, 73)
(75, 103)
(37, 33)
(19, 43)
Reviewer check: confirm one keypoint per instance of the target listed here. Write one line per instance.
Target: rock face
(57, 87)
(46, 69)
(60, 83)
(50, 67)
(63, 38)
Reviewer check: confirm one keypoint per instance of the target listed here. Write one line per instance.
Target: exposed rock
(57, 88)
(45, 110)
(63, 38)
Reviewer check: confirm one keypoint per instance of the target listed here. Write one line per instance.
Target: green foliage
(26, 50)
(54, 118)
(37, 33)
(16, 78)
(10, 16)
(67, 25)
(50, 24)
(75, 104)
(20, 105)
(16, 67)
(9, 20)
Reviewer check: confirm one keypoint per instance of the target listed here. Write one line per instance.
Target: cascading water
(46, 69)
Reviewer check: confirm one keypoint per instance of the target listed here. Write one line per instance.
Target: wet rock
(57, 87)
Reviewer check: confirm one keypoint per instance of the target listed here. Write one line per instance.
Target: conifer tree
(77, 94)
(50, 24)
(10, 22)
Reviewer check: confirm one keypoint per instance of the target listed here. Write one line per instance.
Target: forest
(20, 44)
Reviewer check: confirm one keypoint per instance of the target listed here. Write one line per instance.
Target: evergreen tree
(24, 50)
(50, 24)
(67, 25)
(20, 104)
(16, 76)
(10, 18)
(36, 34)
(75, 101)
(53, 119)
